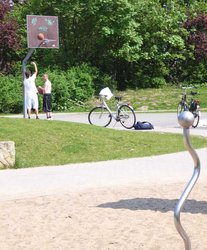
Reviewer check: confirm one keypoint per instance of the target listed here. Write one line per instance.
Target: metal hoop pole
(186, 120)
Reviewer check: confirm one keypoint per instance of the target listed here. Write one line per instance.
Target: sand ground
(128, 218)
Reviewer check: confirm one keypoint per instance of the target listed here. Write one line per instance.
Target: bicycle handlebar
(117, 98)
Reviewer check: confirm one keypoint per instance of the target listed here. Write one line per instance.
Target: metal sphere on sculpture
(186, 119)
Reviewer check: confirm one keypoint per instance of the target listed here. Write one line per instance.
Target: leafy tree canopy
(137, 43)
(9, 40)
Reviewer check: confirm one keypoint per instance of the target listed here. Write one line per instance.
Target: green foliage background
(122, 44)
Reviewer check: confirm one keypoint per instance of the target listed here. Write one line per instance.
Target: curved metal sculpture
(186, 119)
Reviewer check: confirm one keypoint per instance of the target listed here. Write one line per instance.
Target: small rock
(7, 154)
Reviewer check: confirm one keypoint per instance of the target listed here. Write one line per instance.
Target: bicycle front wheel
(127, 116)
(196, 119)
(99, 116)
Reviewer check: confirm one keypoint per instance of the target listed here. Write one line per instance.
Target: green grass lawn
(43, 143)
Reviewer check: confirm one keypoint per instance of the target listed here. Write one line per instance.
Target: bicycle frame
(102, 115)
(186, 105)
(184, 101)
(104, 104)
(192, 106)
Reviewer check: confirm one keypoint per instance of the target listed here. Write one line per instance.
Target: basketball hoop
(46, 41)
(42, 32)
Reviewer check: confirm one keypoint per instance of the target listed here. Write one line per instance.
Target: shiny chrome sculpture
(186, 119)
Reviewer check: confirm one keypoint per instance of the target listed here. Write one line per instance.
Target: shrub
(70, 89)
(60, 94)
(104, 80)
(81, 82)
(11, 92)
(75, 85)
(158, 82)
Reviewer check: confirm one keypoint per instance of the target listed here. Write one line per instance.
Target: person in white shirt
(31, 99)
(47, 96)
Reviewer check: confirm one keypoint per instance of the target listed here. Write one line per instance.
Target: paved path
(164, 122)
(169, 168)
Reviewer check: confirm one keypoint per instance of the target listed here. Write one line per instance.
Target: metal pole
(186, 120)
(24, 63)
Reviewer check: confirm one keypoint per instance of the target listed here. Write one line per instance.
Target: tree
(197, 28)
(138, 43)
(9, 40)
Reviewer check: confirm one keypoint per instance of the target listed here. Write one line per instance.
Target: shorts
(32, 102)
(47, 103)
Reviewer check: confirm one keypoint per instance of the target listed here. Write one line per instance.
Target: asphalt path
(164, 119)
(157, 119)
(162, 122)
(54, 180)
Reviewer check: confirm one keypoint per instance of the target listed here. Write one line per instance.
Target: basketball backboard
(42, 32)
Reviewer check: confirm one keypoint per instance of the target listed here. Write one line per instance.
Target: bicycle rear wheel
(99, 116)
(196, 119)
(127, 116)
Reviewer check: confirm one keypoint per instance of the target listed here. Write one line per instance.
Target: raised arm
(35, 67)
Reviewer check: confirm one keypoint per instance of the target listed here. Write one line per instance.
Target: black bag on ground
(143, 126)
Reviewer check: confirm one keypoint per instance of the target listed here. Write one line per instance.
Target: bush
(11, 92)
(103, 81)
(158, 82)
(81, 82)
(60, 94)
(72, 87)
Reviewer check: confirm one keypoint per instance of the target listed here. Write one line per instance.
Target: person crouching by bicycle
(47, 97)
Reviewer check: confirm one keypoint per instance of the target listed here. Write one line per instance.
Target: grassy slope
(166, 98)
(42, 143)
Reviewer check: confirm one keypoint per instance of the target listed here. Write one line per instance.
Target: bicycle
(101, 115)
(193, 106)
